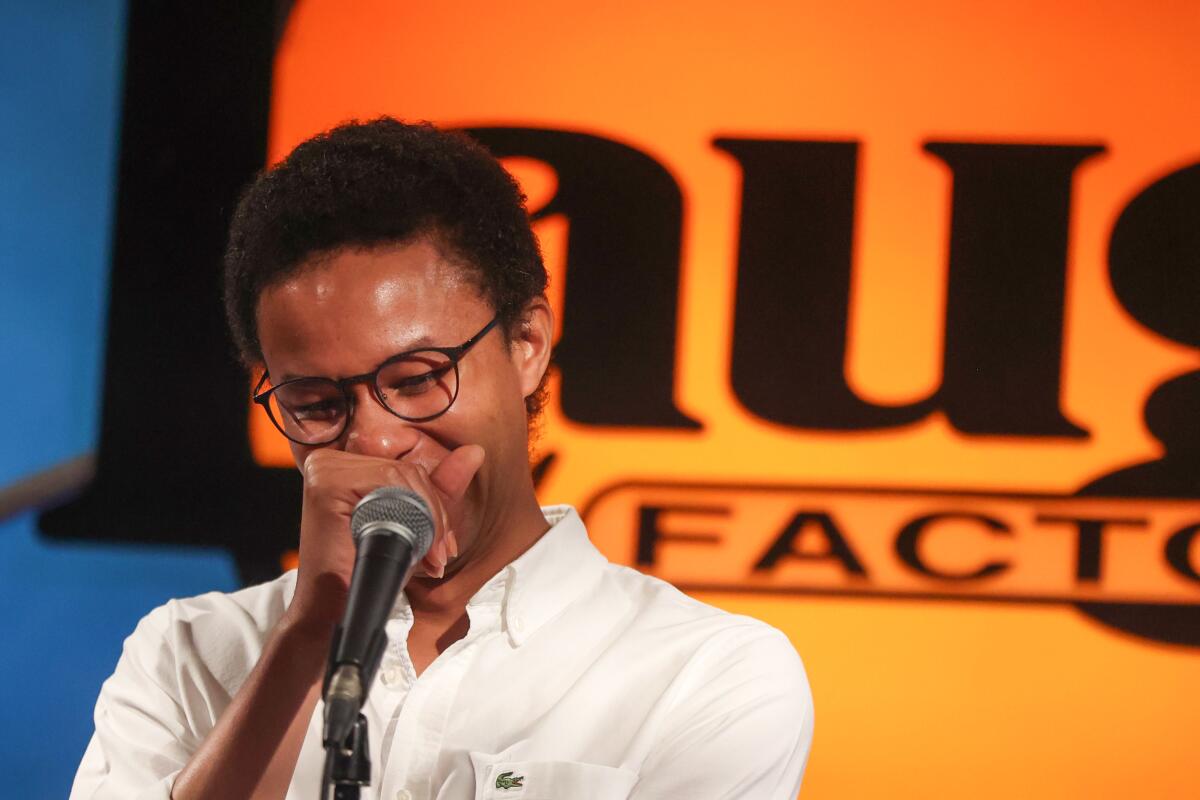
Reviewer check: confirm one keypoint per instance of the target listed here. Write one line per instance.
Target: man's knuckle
(313, 473)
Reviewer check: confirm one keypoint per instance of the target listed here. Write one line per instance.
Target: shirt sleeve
(143, 737)
(742, 726)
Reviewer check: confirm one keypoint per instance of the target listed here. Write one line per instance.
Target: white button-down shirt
(578, 679)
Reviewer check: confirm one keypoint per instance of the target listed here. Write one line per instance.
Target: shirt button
(404, 794)
(391, 677)
(517, 623)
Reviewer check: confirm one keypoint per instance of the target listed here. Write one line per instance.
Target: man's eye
(326, 409)
(416, 384)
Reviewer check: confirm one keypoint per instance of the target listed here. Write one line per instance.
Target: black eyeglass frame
(452, 354)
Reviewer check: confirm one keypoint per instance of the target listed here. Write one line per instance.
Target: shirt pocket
(549, 780)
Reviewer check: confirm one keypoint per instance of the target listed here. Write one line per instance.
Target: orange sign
(883, 289)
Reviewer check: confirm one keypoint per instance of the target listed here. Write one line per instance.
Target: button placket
(423, 716)
(397, 668)
(392, 676)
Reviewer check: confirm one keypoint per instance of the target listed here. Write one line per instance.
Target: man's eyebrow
(420, 343)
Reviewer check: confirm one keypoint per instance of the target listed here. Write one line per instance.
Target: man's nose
(374, 431)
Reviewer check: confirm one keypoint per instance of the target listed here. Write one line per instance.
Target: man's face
(350, 311)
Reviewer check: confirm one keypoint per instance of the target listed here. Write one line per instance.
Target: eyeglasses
(416, 385)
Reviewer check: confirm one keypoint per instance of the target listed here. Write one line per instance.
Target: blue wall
(66, 608)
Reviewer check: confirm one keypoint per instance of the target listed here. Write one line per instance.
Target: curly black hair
(365, 184)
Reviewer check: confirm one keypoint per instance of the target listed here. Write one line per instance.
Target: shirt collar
(546, 578)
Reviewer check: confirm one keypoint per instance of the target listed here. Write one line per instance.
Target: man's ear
(532, 344)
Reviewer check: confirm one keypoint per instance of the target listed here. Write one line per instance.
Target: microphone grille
(403, 508)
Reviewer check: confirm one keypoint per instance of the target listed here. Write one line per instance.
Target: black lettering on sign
(1007, 286)
(650, 532)
(1154, 267)
(1003, 335)
(1089, 549)
(836, 547)
(908, 541)
(625, 216)
(1178, 550)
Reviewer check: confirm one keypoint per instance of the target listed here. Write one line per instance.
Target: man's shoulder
(660, 598)
(658, 606)
(260, 605)
(647, 602)
(712, 656)
(220, 634)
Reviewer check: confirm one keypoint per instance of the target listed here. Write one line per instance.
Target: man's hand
(334, 482)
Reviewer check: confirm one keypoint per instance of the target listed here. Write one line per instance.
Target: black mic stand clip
(347, 765)
(347, 752)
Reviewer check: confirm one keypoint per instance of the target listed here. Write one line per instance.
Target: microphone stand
(347, 766)
(348, 755)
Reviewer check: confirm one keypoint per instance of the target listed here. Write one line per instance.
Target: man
(384, 281)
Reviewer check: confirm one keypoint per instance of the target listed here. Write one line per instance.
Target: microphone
(393, 530)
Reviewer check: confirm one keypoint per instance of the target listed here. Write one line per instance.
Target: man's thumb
(454, 474)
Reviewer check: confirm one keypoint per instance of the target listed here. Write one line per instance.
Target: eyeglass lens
(314, 410)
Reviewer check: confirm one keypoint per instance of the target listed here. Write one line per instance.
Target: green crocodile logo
(505, 781)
